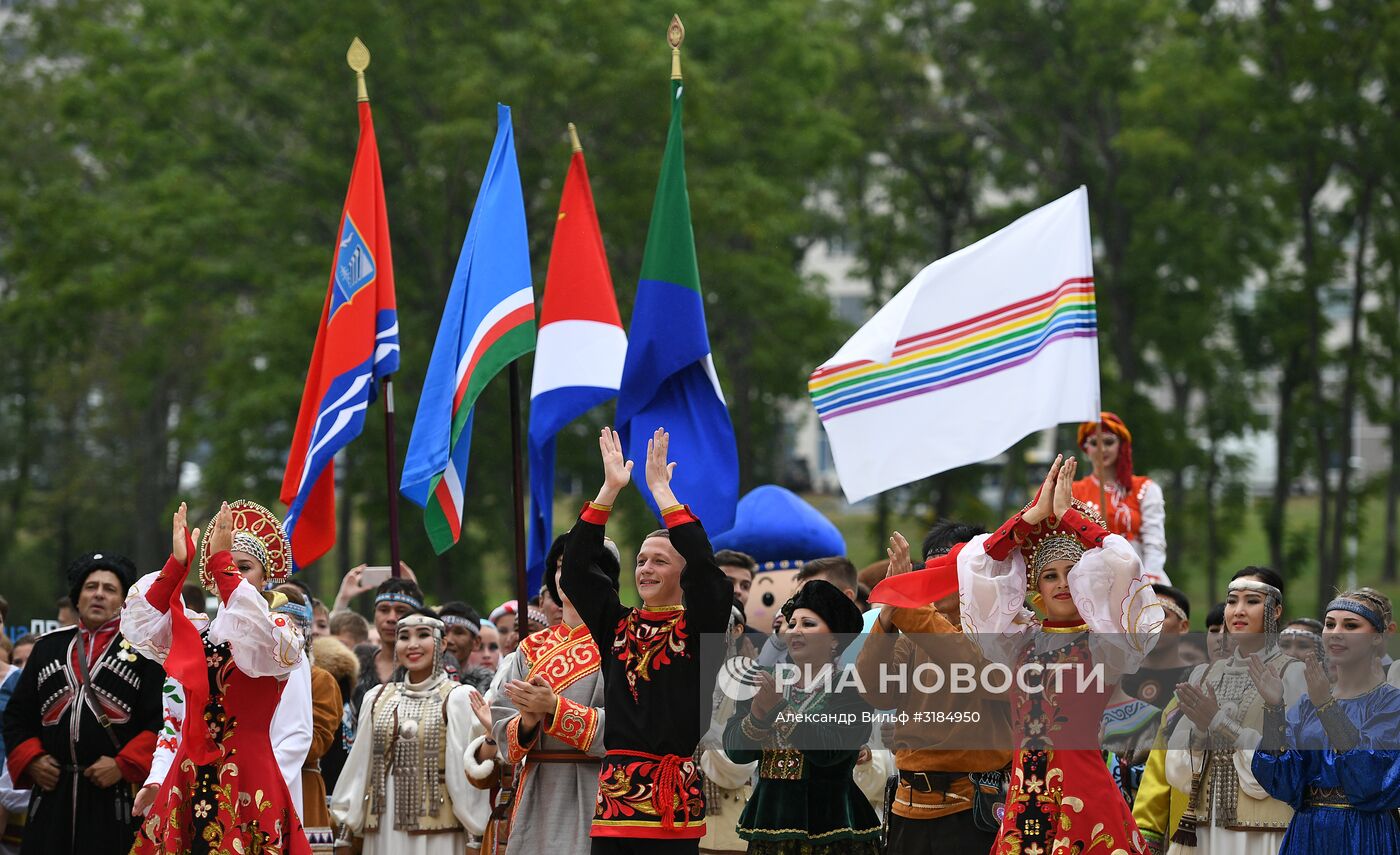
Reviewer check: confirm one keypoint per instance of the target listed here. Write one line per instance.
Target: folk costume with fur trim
(404, 787)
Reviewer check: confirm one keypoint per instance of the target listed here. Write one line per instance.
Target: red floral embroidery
(646, 641)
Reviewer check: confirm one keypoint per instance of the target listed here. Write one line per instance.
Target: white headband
(1170, 605)
(1257, 587)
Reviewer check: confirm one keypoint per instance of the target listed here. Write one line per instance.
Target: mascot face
(771, 588)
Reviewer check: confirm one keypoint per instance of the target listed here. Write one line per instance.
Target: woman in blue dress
(1335, 756)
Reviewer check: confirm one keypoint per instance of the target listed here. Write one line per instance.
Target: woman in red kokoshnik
(1099, 611)
(224, 791)
(1135, 507)
(656, 693)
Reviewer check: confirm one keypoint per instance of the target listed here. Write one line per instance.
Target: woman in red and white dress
(224, 791)
(1100, 613)
(1130, 505)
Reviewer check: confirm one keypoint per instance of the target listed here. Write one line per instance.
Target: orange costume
(1136, 508)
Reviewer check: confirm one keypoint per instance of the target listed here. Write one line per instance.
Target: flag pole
(357, 57)
(522, 593)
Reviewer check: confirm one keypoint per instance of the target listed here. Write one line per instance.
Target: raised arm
(708, 592)
(589, 589)
(264, 644)
(145, 620)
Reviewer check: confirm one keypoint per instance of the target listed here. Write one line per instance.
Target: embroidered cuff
(998, 547)
(677, 515)
(226, 576)
(573, 723)
(1090, 533)
(515, 748)
(169, 580)
(595, 513)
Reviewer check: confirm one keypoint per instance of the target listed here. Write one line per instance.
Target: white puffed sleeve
(1117, 604)
(348, 801)
(168, 740)
(291, 730)
(471, 805)
(264, 644)
(992, 600)
(871, 777)
(1152, 535)
(144, 625)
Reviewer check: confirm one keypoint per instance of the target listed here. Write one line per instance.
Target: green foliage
(175, 170)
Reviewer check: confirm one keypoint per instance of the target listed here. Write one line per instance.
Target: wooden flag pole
(357, 57)
(522, 592)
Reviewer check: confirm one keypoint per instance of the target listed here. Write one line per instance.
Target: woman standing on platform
(1099, 613)
(1335, 758)
(1131, 505)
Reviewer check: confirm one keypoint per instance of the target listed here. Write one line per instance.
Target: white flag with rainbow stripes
(980, 349)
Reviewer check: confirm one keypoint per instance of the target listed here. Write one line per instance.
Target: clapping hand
(1064, 488)
(534, 697)
(1199, 705)
(1266, 681)
(767, 696)
(221, 539)
(1319, 686)
(481, 710)
(179, 538)
(898, 553)
(1043, 505)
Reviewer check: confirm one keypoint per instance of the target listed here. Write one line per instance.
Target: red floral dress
(240, 803)
(1062, 799)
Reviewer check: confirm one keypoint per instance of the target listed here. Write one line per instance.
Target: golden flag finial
(357, 57)
(675, 34)
(573, 138)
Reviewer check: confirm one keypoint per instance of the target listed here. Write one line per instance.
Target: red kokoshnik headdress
(1110, 422)
(258, 532)
(1054, 540)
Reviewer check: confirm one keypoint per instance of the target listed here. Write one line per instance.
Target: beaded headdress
(1273, 597)
(258, 532)
(1053, 541)
(438, 628)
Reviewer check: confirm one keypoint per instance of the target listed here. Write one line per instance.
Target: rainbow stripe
(958, 353)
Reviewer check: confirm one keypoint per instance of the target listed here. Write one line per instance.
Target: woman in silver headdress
(1229, 812)
(404, 787)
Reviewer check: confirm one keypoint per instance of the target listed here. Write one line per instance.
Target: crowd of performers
(578, 723)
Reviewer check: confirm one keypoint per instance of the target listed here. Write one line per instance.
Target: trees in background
(175, 171)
